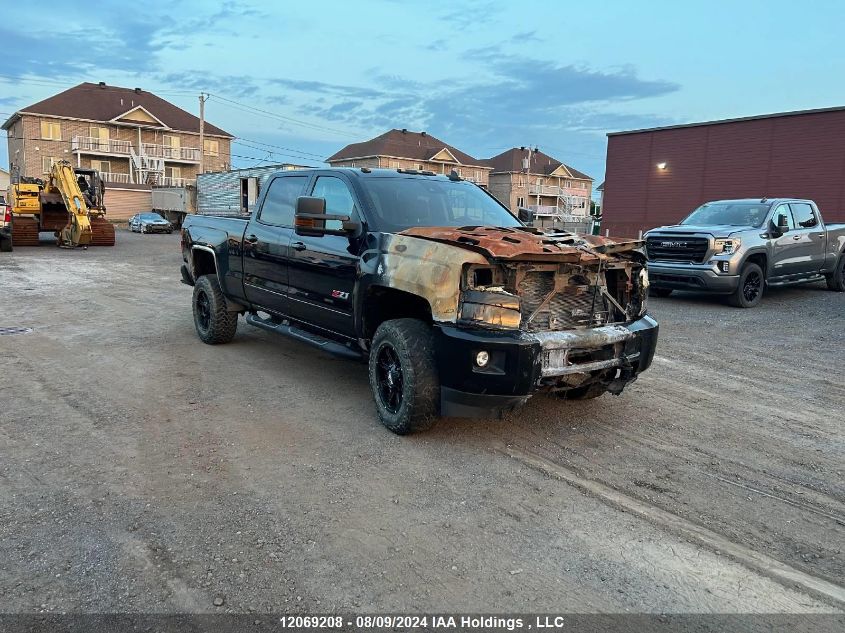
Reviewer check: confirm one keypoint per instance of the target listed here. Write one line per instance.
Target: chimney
(423, 133)
(137, 91)
(522, 149)
(404, 130)
(102, 84)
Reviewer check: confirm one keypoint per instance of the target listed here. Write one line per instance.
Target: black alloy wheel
(389, 376)
(752, 286)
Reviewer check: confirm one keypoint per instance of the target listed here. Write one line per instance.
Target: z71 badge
(337, 294)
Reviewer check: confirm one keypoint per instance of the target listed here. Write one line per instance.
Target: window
(520, 183)
(784, 210)
(339, 200)
(420, 167)
(400, 203)
(101, 165)
(803, 215)
(520, 201)
(173, 172)
(280, 204)
(168, 140)
(51, 131)
(47, 163)
(211, 147)
(393, 164)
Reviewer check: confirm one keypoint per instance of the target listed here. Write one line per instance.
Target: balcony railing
(185, 154)
(558, 212)
(110, 176)
(545, 190)
(90, 144)
(168, 181)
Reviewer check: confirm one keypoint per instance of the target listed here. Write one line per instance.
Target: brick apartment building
(402, 149)
(522, 177)
(133, 137)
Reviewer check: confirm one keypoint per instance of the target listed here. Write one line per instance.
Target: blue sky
(481, 75)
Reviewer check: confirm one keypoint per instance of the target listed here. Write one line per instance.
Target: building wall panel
(792, 156)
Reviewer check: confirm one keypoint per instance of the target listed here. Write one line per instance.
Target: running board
(327, 345)
(792, 282)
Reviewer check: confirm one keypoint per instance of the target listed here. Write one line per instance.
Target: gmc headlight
(727, 245)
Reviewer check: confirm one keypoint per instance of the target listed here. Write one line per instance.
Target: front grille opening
(575, 305)
(677, 248)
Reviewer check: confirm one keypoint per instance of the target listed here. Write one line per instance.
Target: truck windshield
(403, 203)
(729, 213)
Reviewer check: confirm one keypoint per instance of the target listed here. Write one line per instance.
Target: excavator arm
(77, 232)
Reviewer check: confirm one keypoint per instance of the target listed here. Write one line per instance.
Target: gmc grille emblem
(674, 244)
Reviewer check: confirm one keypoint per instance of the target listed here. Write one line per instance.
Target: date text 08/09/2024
(423, 621)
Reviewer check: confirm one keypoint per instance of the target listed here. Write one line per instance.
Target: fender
(231, 306)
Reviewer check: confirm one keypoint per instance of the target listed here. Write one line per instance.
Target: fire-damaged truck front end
(552, 312)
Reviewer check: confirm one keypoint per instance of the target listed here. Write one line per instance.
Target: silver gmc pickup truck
(740, 247)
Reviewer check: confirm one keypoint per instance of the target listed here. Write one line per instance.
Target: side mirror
(782, 224)
(310, 219)
(525, 215)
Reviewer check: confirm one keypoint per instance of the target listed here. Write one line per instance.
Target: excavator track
(24, 232)
(102, 232)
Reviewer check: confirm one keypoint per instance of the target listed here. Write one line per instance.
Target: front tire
(749, 291)
(214, 323)
(5, 245)
(403, 376)
(836, 279)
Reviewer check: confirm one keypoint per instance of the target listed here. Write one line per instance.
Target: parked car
(149, 223)
(740, 247)
(5, 226)
(458, 308)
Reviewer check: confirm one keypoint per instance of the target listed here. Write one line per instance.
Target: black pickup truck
(458, 308)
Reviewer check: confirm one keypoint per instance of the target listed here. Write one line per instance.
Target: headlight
(727, 245)
(496, 309)
(644, 291)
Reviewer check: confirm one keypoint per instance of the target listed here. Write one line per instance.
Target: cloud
(232, 85)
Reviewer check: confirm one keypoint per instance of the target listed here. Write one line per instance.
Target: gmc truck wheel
(749, 291)
(214, 323)
(403, 376)
(836, 279)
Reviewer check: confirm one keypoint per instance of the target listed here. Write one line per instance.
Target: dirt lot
(144, 471)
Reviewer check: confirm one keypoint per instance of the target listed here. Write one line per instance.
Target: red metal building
(657, 176)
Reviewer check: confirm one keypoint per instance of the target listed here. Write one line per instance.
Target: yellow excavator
(69, 203)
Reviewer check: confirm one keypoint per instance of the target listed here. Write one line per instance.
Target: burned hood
(525, 243)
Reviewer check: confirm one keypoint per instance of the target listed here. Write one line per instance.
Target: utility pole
(203, 99)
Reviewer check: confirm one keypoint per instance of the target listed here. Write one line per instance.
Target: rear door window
(804, 215)
(280, 203)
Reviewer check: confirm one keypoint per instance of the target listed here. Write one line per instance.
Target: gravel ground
(142, 471)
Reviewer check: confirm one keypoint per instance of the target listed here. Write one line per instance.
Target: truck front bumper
(701, 277)
(522, 363)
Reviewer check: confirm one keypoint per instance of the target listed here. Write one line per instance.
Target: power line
(273, 115)
(293, 154)
(291, 149)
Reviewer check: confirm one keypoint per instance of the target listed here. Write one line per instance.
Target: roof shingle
(403, 144)
(511, 161)
(103, 103)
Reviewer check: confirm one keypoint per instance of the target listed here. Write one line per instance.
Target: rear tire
(836, 279)
(214, 323)
(403, 376)
(660, 292)
(749, 291)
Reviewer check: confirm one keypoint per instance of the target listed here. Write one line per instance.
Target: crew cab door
(266, 245)
(323, 269)
(801, 250)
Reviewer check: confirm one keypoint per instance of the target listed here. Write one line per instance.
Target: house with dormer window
(403, 149)
(135, 138)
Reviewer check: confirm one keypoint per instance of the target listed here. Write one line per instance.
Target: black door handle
(252, 239)
(298, 246)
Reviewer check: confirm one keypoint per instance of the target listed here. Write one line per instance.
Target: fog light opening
(482, 358)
